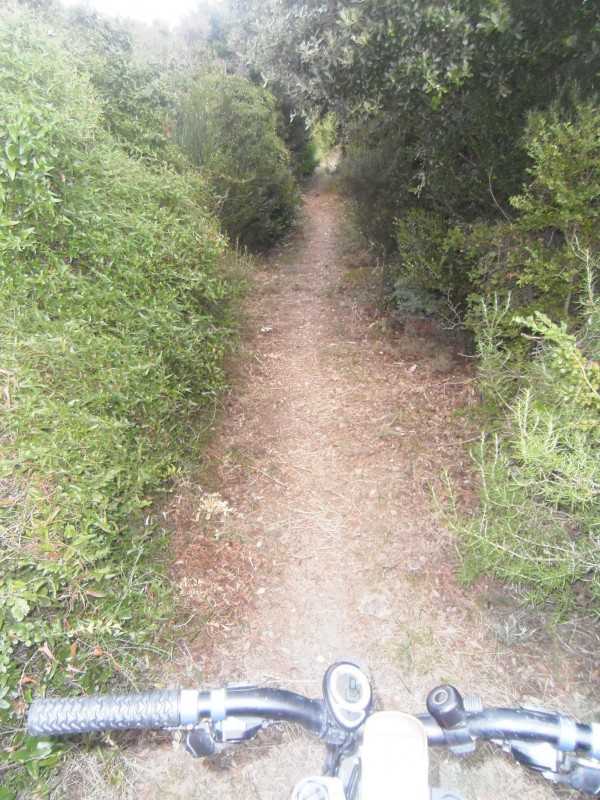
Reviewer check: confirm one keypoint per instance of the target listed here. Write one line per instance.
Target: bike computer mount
(347, 694)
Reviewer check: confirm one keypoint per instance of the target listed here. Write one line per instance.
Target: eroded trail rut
(333, 440)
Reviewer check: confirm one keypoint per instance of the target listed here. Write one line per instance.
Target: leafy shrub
(229, 129)
(138, 97)
(537, 259)
(539, 523)
(413, 299)
(376, 172)
(111, 336)
(536, 318)
(297, 136)
(450, 85)
(140, 106)
(429, 259)
(531, 260)
(303, 150)
(325, 135)
(566, 167)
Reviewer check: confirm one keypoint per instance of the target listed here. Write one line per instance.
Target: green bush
(412, 299)
(376, 173)
(112, 329)
(229, 129)
(139, 102)
(138, 97)
(533, 260)
(537, 322)
(566, 167)
(539, 522)
(325, 136)
(297, 135)
(536, 260)
(430, 261)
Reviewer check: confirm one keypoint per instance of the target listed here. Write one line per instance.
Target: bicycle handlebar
(558, 747)
(170, 709)
(104, 712)
(188, 708)
(526, 725)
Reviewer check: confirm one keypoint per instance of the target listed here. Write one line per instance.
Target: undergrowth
(536, 321)
(113, 326)
(229, 129)
(538, 524)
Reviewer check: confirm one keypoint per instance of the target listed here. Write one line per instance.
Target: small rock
(375, 605)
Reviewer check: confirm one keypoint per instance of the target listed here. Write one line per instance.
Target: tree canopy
(356, 56)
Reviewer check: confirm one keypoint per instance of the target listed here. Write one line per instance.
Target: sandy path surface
(334, 436)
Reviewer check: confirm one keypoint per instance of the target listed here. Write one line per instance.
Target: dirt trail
(326, 459)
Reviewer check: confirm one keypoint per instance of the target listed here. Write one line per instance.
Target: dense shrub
(530, 259)
(138, 97)
(536, 260)
(528, 287)
(229, 129)
(140, 104)
(325, 134)
(296, 134)
(429, 259)
(539, 521)
(111, 334)
(537, 324)
(376, 173)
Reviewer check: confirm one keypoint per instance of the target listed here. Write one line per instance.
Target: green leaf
(20, 608)
(12, 151)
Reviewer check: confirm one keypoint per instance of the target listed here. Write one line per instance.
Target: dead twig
(275, 480)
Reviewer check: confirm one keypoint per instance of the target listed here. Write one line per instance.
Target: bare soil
(316, 537)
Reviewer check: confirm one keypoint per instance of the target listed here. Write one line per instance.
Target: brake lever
(554, 765)
(215, 737)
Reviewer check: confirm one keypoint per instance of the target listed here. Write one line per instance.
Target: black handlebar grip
(104, 712)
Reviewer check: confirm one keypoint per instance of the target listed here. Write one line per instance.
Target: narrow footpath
(318, 538)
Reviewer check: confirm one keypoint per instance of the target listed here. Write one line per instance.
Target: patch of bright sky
(169, 11)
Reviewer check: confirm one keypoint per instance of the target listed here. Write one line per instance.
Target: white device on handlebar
(347, 693)
(394, 756)
(394, 750)
(393, 761)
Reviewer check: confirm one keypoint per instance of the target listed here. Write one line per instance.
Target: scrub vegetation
(136, 162)
(229, 129)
